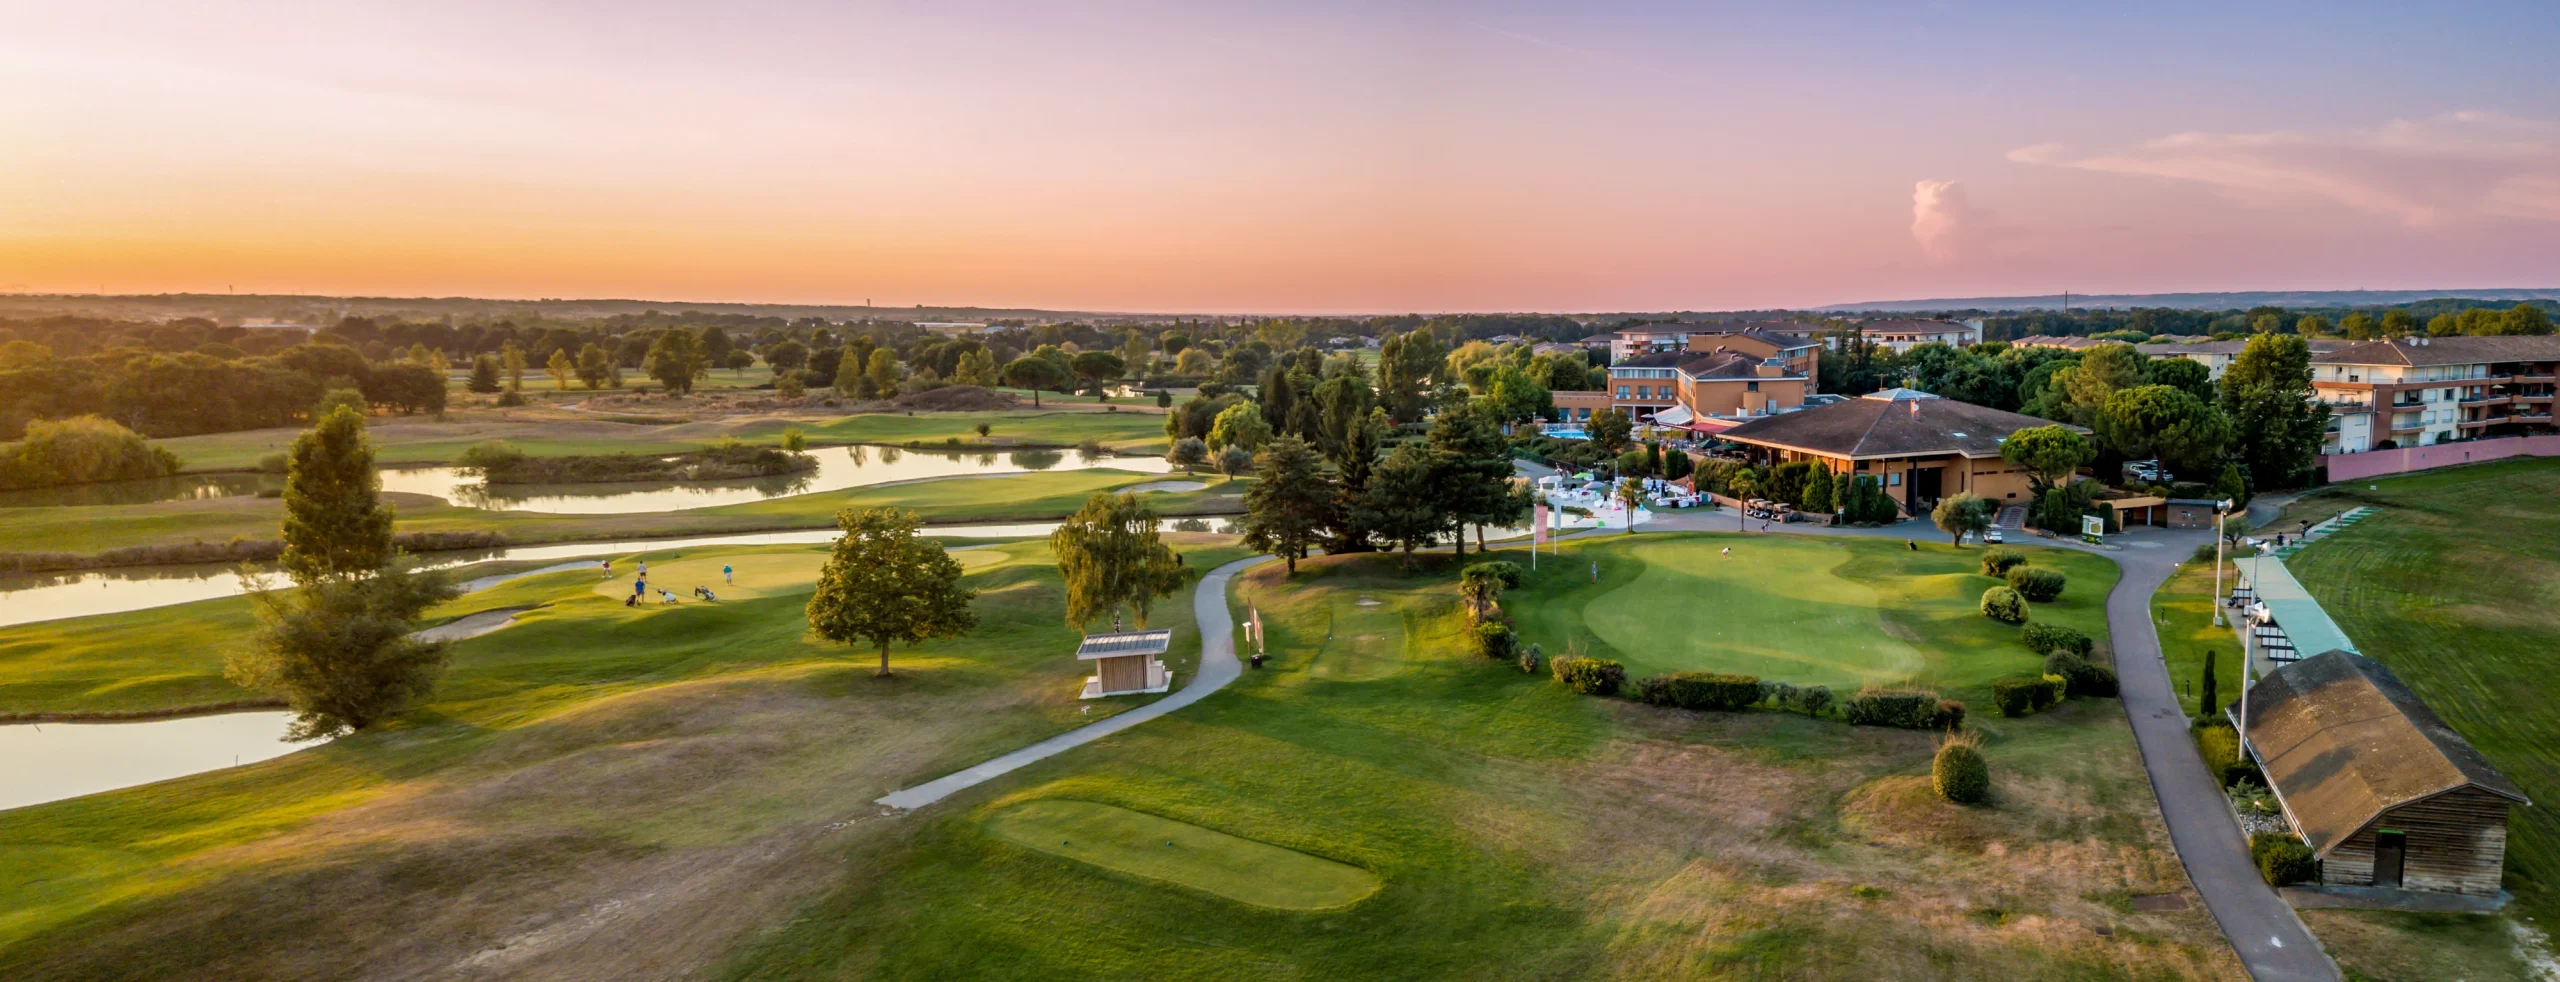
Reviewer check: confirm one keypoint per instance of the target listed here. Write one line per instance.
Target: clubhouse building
(2384, 793)
(1920, 447)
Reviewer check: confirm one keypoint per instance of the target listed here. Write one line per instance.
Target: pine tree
(484, 375)
(335, 524)
(1288, 510)
(1402, 504)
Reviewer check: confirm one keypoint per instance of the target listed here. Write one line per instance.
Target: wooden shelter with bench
(2381, 789)
(1126, 662)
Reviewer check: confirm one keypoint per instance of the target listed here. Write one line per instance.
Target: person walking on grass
(728, 574)
(608, 568)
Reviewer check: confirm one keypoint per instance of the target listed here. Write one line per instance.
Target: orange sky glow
(1208, 158)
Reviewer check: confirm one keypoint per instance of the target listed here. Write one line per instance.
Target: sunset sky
(1359, 157)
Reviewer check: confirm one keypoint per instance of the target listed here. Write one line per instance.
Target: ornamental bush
(2036, 583)
(2004, 605)
(1496, 640)
(1909, 709)
(2027, 694)
(1590, 676)
(2220, 747)
(2080, 678)
(2046, 639)
(1532, 659)
(1950, 715)
(1959, 774)
(1996, 562)
(1814, 699)
(2281, 858)
(1700, 690)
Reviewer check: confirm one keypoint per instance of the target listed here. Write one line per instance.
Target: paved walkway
(1218, 666)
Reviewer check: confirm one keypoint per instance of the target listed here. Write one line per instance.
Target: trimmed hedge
(1909, 709)
(2220, 747)
(1959, 774)
(2045, 639)
(2281, 858)
(2079, 677)
(2036, 583)
(1700, 690)
(1496, 640)
(2024, 695)
(1996, 562)
(2004, 605)
(1589, 676)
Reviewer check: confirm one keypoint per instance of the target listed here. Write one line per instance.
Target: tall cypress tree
(2209, 689)
(335, 524)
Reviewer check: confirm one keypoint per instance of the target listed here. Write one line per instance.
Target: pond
(33, 598)
(41, 762)
(838, 468)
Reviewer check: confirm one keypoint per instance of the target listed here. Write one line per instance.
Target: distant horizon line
(2191, 299)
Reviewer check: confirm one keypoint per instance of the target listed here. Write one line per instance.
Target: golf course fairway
(1181, 853)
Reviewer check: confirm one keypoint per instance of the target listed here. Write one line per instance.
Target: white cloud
(2463, 166)
(1944, 221)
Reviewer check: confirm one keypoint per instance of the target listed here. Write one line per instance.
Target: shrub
(1532, 659)
(1700, 690)
(1814, 699)
(2035, 583)
(1910, 709)
(1996, 562)
(2220, 748)
(2080, 678)
(1589, 676)
(511, 398)
(1959, 774)
(1950, 715)
(1777, 694)
(2045, 639)
(488, 454)
(80, 450)
(1496, 640)
(2027, 694)
(1504, 570)
(2281, 858)
(2004, 605)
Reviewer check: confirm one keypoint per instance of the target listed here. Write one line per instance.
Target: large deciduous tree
(1240, 425)
(887, 583)
(1609, 430)
(1112, 556)
(675, 359)
(2266, 392)
(1289, 510)
(1405, 366)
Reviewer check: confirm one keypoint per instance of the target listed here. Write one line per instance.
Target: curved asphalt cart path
(1218, 666)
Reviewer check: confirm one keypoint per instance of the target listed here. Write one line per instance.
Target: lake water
(28, 599)
(838, 468)
(42, 762)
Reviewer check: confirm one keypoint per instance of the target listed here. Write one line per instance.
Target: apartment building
(2421, 391)
(1904, 333)
(1798, 353)
(1678, 387)
(2216, 355)
(1682, 336)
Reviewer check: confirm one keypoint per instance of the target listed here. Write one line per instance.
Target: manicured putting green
(769, 574)
(1775, 608)
(1158, 848)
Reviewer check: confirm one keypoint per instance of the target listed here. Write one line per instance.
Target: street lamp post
(2221, 508)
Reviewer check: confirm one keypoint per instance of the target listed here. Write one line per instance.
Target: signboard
(1538, 525)
(2092, 527)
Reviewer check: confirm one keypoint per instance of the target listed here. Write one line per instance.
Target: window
(1893, 480)
(1751, 386)
(1644, 392)
(1622, 392)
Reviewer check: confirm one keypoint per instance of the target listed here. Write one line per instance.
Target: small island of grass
(501, 463)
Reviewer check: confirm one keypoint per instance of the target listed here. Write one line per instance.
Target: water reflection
(42, 762)
(185, 487)
(838, 468)
(26, 599)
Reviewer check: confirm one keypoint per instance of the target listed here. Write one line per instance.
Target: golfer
(728, 574)
(1728, 552)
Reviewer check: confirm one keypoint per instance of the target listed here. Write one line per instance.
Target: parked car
(1991, 536)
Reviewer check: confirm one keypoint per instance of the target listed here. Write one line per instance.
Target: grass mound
(1903, 810)
(1207, 860)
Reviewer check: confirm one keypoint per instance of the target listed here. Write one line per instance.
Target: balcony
(2528, 418)
(2532, 378)
(2484, 401)
(2409, 427)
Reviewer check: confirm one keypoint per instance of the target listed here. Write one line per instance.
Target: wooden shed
(2381, 789)
(1126, 662)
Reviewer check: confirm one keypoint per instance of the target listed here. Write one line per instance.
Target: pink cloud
(2465, 166)
(1945, 222)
